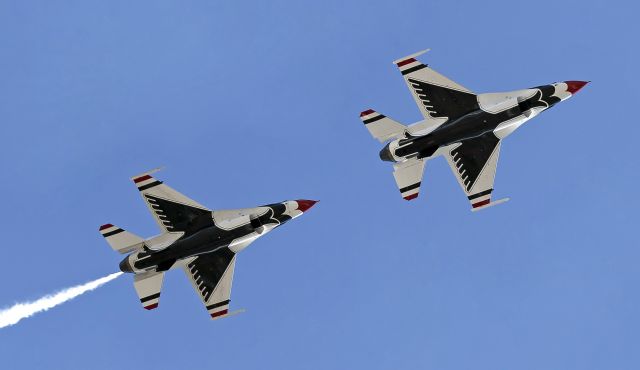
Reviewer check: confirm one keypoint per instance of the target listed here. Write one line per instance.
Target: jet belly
(203, 241)
(471, 125)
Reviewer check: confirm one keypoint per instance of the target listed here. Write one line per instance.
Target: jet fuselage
(206, 240)
(518, 106)
(211, 231)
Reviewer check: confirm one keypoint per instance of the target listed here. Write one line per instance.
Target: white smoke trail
(11, 316)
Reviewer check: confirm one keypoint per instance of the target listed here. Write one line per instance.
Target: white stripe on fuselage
(505, 128)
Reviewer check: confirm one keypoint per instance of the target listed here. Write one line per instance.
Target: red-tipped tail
(304, 204)
(574, 86)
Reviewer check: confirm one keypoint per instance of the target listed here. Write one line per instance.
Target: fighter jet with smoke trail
(202, 242)
(464, 127)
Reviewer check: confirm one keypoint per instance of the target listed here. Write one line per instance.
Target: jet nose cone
(574, 86)
(125, 266)
(304, 204)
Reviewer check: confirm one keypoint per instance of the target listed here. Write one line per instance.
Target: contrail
(11, 316)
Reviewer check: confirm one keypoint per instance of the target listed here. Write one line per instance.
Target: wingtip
(412, 56)
(487, 203)
(227, 314)
(148, 173)
(216, 315)
(141, 178)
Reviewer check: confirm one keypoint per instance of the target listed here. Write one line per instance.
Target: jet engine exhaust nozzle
(385, 154)
(125, 266)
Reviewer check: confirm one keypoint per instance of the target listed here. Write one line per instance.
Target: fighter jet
(464, 127)
(202, 242)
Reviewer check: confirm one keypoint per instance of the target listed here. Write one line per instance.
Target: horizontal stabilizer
(408, 177)
(148, 286)
(120, 240)
(380, 126)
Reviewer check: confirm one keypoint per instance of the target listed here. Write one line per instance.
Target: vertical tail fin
(120, 240)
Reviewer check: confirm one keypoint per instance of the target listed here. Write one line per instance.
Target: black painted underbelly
(472, 125)
(468, 126)
(204, 241)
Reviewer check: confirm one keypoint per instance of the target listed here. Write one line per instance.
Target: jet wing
(408, 175)
(172, 210)
(438, 98)
(474, 162)
(211, 275)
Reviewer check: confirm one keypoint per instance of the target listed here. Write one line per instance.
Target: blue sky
(247, 103)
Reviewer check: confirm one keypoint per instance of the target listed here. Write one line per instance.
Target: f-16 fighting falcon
(202, 242)
(464, 127)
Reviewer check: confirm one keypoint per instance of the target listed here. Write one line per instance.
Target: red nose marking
(574, 86)
(304, 205)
